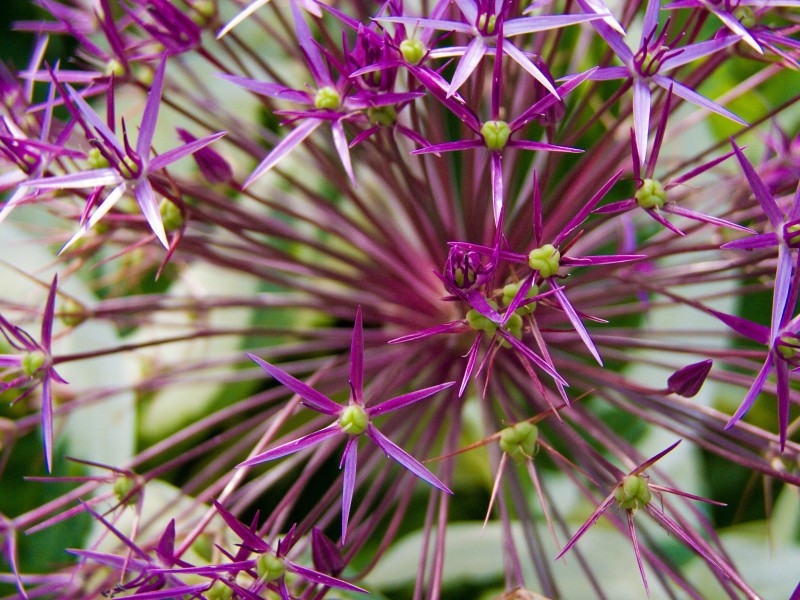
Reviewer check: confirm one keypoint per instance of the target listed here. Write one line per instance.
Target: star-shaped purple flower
(351, 422)
(36, 365)
(122, 166)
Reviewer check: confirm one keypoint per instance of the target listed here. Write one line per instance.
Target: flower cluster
(537, 228)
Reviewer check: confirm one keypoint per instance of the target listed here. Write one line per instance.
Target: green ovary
(95, 160)
(480, 323)
(495, 134)
(633, 493)
(32, 362)
(219, 591)
(487, 25)
(382, 115)
(269, 567)
(651, 195)
(354, 420)
(520, 441)
(171, 215)
(123, 488)
(327, 97)
(788, 346)
(412, 50)
(545, 259)
(512, 289)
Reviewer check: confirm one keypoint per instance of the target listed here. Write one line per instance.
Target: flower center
(495, 134)
(327, 97)
(270, 567)
(354, 420)
(651, 195)
(96, 160)
(382, 115)
(123, 488)
(32, 362)
(545, 259)
(412, 50)
(788, 346)
(512, 289)
(219, 591)
(486, 24)
(633, 493)
(480, 323)
(520, 441)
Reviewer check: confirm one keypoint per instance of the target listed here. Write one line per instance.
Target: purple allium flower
(655, 57)
(488, 23)
(352, 421)
(651, 194)
(126, 168)
(633, 492)
(34, 365)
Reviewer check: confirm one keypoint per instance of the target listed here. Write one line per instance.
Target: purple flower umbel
(351, 421)
(36, 365)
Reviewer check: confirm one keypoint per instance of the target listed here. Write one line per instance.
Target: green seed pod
(520, 441)
(651, 195)
(203, 546)
(382, 115)
(171, 215)
(269, 567)
(545, 259)
(123, 490)
(480, 323)
(354, 420)
(511, 290)
(327, 97)
(495, 134)
(73, 313)
(514, 326)
(115, 68)
(788, 346)
(95, 160)
(633, 493)
(412, 50)
(32, 362)
(219, 591)
(745, 15)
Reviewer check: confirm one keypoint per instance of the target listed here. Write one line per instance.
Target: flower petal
(406, 460)
(311, 397)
